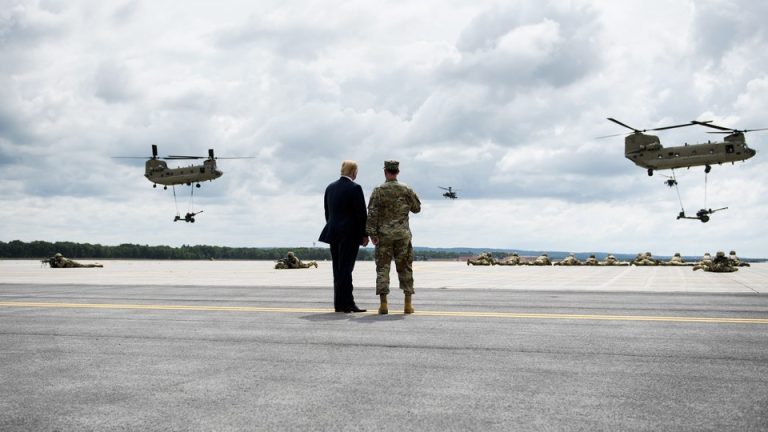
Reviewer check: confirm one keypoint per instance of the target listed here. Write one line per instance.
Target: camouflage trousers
(401, 251)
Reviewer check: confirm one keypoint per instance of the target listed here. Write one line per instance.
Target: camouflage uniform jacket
(388, 210)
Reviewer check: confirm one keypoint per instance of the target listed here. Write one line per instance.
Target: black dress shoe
(354, 308)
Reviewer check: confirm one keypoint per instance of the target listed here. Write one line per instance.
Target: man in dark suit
(345, 219)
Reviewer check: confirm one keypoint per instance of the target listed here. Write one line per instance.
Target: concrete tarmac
(239, 346)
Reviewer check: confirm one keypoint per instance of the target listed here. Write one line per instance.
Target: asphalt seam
(427, 313)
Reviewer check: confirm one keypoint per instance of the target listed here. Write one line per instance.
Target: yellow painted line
(161, 307)
(512, 315)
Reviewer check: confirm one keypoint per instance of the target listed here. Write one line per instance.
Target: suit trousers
(344, 255)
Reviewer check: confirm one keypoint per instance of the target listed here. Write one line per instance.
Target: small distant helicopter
(646, 150)
(156, 170)
(450, 192)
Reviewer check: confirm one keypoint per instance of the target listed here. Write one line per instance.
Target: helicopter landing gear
(650, 172)
(197, 185)
(154, 185)
(165, 187)
(707, 169)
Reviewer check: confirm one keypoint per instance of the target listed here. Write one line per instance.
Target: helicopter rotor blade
(670, 127)
(710, 125)
(622, 124)
(176, 157)
(725, 130)
(737, 130)
(610, 136)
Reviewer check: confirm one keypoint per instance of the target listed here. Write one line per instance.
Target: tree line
(17, 249)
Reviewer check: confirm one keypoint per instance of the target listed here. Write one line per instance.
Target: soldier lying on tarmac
(721, 264)
(291, 261)
(484, 259)
(58, 261)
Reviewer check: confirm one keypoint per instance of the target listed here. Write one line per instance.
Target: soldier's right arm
(372, 224)
(415, 203)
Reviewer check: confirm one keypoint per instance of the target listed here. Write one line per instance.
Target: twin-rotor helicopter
(646, 151)
(156, 170)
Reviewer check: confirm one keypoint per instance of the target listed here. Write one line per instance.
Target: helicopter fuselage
(157, 172)
(646, 151)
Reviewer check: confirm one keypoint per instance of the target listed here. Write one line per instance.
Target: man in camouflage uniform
(542, 260)
(570, 260)
(484, 259)
(721, 264)
(58, 261)
(388, 228)
(676, 260)
(591, 261)
(645, 259)
(706, 260)
(611, 260)
(291, 261)
(511, 260)
(735, 261)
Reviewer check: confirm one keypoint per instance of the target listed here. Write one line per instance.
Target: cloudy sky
(500, 100)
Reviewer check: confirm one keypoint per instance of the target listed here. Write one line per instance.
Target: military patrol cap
(720, 253)
(392, 165)
(733, 252)
(290, 253)
(58, 254)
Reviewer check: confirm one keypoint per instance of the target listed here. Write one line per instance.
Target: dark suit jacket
(345, 212)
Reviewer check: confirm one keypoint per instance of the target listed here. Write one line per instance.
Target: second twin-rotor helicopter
(646, 151)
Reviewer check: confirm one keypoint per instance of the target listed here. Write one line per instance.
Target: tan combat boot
(383, 308)
(408, 306)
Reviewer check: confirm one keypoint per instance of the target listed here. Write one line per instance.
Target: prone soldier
(542, 260)
(591, 261)
(59, 261)
(511, 260)
(676, 260)
(291, 261)
(735, 261)
(721, 264)
(570, 260)
(484, 259)
(645, 259)
(611, 260)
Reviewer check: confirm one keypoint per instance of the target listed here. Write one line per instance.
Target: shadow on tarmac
(367, 318)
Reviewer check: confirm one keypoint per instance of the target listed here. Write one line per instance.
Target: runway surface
(124, 347)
